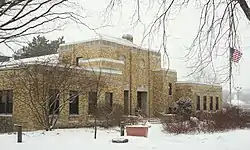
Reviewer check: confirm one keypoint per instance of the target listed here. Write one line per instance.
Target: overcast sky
(181, 29)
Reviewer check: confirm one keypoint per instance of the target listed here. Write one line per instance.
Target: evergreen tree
(38, 47)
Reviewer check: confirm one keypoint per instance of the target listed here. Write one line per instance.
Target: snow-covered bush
(183, 108)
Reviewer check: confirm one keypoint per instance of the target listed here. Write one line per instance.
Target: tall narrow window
(6, 102)
(74, 103)
(217, 103)
(92, 102)
(170, 89)
(109, 100)
(54, 97)
(198, 103)
(211, 102)
(204, 102)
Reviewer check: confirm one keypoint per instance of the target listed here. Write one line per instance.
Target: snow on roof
(198, 83)
(53, 58)
(50, 60)
(116, 40)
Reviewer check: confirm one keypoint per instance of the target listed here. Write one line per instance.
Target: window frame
(211, 105)
(7, 104)
(93, 103)
(170, 89)
(217, 103)
(204, 102)
(55, 103)
(198, 103)
(73, 102)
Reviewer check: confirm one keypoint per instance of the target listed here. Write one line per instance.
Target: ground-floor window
(211, 102)
(6, 102)
(198, 103)
(92, 102)
(74, 103)
(204, 102)
(54, 98)
(109, 100)
(217, 103)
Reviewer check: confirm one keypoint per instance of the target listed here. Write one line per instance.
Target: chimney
(128, 37)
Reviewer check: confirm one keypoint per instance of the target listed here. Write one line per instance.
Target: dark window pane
(54, 101)
(170, 89)
(204, 102)
(211, 102)
(9, 104)
(109, 100)
(74, 102)
(217, 103)
(92, 102)
(198, 103)
(6, 100)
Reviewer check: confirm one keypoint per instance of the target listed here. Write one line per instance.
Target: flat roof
(112, 39)
(197, 83)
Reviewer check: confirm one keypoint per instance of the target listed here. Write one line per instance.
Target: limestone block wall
(24, 115)
(21, 114)
(162, 99)
(6, 124)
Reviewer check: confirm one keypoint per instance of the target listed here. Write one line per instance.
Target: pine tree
(38, 47)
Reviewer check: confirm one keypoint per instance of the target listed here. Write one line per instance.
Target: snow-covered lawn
(76, 139)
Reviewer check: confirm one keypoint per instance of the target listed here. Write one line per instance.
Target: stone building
(127, 67)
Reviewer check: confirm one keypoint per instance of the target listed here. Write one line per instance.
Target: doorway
(126, 102)
(142, 102)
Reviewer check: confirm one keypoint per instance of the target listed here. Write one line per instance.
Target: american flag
(235, 55)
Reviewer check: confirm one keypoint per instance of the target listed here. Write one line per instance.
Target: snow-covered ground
(76, 139)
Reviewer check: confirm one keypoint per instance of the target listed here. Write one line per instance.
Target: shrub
(229, 119)
(177, 126)
(183, 108)
(109, 117)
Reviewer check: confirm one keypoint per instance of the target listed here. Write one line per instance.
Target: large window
(211, 103)
(217, 103)
(204, 102)
(198, 103)
(92, 102)
(54, 98)
(74, 103)
(6, 102)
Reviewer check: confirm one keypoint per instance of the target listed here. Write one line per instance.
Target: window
(198, 103)
(73, 103)
(109, 100)
(77, 60)
(54, 101)
(217, 103)
(204, 102)
(92, 102)
(6, 102)
(211, 102)
(170, 88)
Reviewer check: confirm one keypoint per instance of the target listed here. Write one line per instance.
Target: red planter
(137, 131)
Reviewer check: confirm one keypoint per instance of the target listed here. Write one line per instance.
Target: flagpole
(230, 75)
